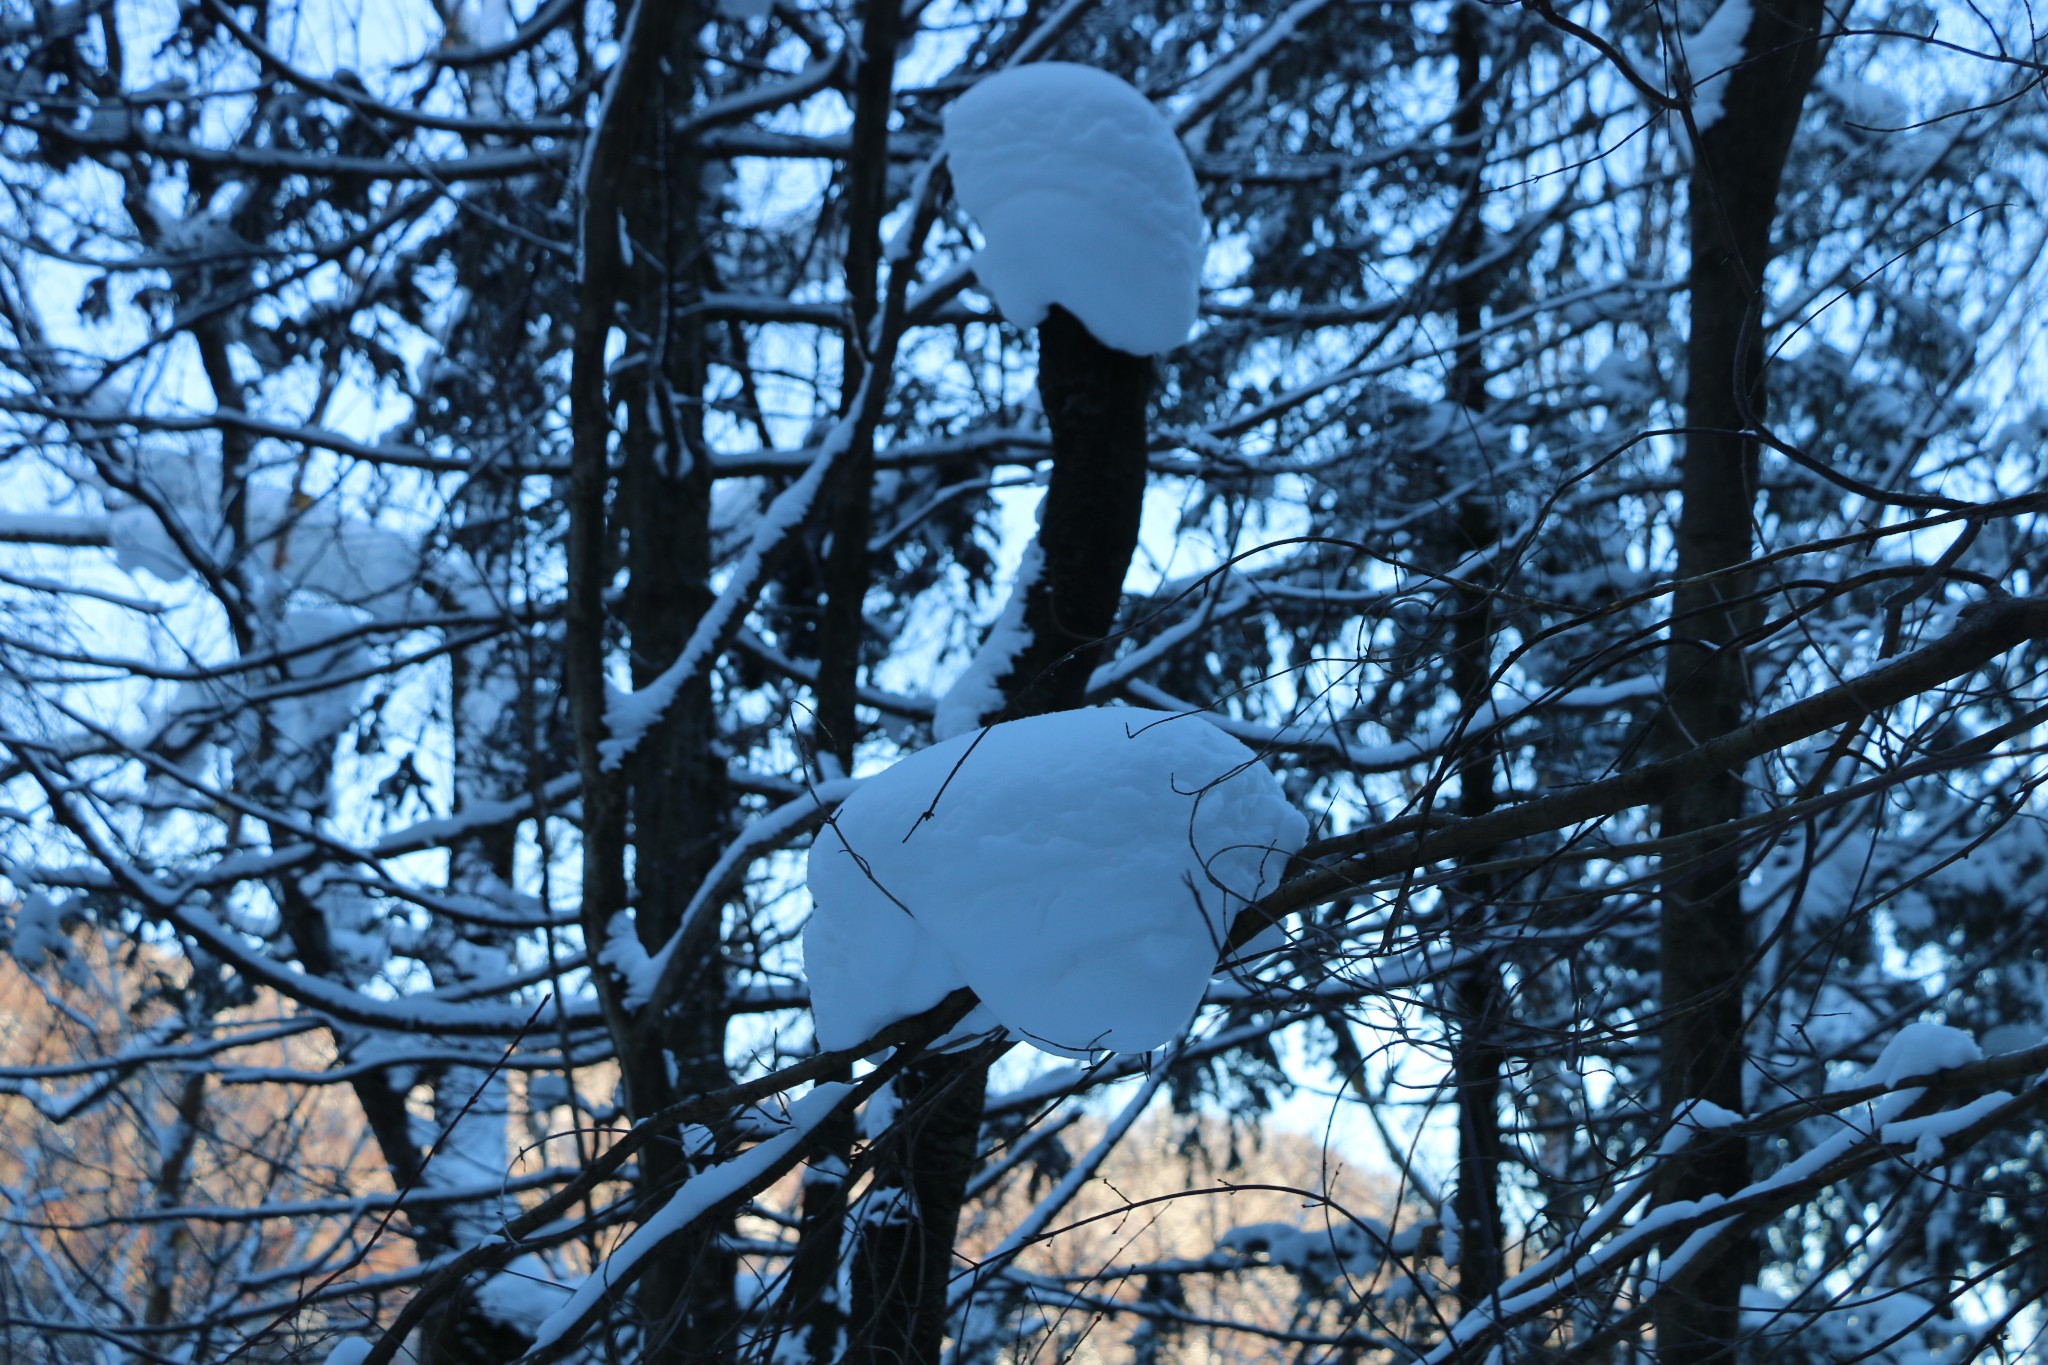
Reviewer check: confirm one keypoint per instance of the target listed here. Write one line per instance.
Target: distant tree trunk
(903, 1257)
(174, 1158)
(1477, 1000)
(1095, 400)
(669, 802)
(816, 1309)
(1704, 932)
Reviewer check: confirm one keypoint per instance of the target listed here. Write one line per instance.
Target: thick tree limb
(1987, 630)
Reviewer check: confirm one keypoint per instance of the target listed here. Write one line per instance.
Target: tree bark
(668, 804)
(1739, 162)
(815, 1309)
(1094, 397)
(1477, 1001)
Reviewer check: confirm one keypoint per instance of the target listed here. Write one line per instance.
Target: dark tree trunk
(668, 802)
(815, 1309)
(1094, 400)
(1704, 932)
(1477, 1000)
(1095, 403)
(903, 1265)
(679, 802)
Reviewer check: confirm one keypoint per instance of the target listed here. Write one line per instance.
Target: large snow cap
(1085, 199)
(1078, 870)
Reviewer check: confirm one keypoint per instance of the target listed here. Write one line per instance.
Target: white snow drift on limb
(1711, 54)
(1921, 1049)
(1085, 199)
(1078, 870)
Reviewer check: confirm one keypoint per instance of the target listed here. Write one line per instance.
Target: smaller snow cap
(1078, 870)
(1085, 199)
(1921, 1049)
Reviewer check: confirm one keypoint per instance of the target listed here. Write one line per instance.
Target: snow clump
(1079, 870)
(1085, 199)
(1921, 1049)
(1717, 49)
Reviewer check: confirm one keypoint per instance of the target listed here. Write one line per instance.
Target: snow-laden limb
(1928, 1134)
(1984, 631)
(454, 1271)
(441, 830)
(175, 904)
(1712, 53)
(977, 693)
(1078, 870)
(769, 832)
(628, 716)
(1062, 1194)
(1085, 200)
(1868, 1131)
(1920, 1049)
(99, 1082)
(1242, 62)
(699, 1194)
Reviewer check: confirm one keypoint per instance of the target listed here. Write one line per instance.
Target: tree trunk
(1094, 399)
(1738, 164)
(1095, 403)
(668, 803)
(1477, 1001)
(814, 1307)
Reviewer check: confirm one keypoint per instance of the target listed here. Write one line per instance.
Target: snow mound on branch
(1084, 198)
(1921, 1049)
(308, 545)
(522, 1295)
(1078, 870)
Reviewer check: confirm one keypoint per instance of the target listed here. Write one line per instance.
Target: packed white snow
(523, 1294)
(1711, 54)
(1078, 870)
(1084, 198)
(1921, 1049)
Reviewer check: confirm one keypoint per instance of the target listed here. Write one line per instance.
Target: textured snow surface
(1085, 199)
(1921, 1050)
(1711, 54)
(1078, 870)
